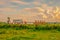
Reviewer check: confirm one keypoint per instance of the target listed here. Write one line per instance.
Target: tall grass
(32, 26)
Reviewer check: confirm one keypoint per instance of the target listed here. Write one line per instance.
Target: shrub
(4, 25)
(31, 26)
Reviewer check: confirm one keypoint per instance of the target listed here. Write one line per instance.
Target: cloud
(7, 10)
(39, 9)
(46, 13)
(51, 3)
(36, 3)
(33, 12)
(19, 2)
(30, 10)
(57, 12)
(1, 2)
(27, 0)
(2, 17)
(45, 6)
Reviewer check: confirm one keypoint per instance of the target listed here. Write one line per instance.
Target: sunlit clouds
(2, 2)
(8, 9)
(19, 2)
(30, 10)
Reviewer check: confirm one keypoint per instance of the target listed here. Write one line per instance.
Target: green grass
(29, 31)
(12, 34)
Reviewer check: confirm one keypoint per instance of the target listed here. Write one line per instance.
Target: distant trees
(19, 21)
(8, 20)
(39, 22)
(25, 22)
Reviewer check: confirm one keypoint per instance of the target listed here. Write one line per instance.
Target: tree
(8, 20)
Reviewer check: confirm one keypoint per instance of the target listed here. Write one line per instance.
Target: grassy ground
(29, 31)
(28, 34)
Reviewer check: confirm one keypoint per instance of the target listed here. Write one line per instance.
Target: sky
(30, 10)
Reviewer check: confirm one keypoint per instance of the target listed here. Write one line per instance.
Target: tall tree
(8, 20)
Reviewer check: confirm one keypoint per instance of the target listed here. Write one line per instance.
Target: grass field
(31, 32)
(12, 34)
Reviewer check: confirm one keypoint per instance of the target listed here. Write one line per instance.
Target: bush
(31, 26)
(27, 26)
(4, 25)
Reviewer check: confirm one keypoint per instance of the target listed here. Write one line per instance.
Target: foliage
(31, 26)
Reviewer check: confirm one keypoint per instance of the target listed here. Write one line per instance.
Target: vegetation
(29, 31)
(31, 26)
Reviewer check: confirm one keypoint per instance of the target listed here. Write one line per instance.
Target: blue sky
(30, 9)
